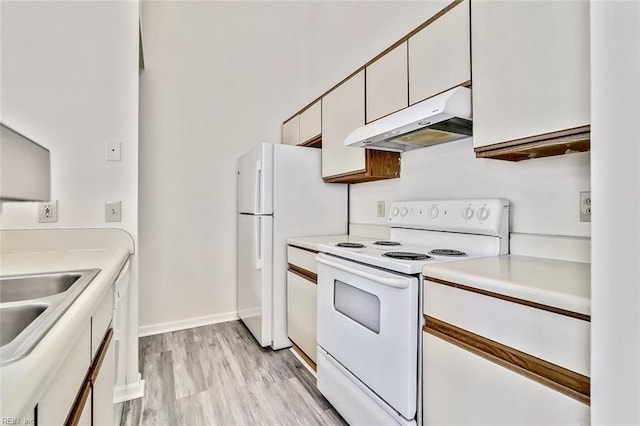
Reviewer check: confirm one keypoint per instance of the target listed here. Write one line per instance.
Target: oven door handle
(391, 282)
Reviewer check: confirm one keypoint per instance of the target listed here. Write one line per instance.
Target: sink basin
(31, 304)
(27, 287)
(14, 319)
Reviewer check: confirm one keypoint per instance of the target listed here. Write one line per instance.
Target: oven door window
(358, 305)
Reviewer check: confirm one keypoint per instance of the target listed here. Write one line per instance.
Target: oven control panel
(487, 216)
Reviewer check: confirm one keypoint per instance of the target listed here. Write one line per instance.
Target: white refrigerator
(280, 195)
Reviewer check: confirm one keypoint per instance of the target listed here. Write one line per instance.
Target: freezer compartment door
(255, 181)
(255, 285)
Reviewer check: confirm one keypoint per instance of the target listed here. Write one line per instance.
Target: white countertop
(312, 242)
(556, 283)
(24, 381)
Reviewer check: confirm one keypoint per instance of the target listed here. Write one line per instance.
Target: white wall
(544, 193)
(69, 81)
(221, 77)
(615, 147)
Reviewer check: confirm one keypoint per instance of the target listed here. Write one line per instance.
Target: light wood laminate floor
(219, 375)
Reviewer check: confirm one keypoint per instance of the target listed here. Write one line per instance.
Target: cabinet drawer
(301, 313)
(56, 403)
(460, 387)
(100, 321)
(302, 258)
(555, 338)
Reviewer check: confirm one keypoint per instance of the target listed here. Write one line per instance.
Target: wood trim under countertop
(303, 248)
(540, 306)
(78, 406)
(567, 382)
(303, 273)
(81, 400)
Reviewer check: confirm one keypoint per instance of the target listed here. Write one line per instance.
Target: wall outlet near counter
(48, 211)
(380, 208)
(585, 206)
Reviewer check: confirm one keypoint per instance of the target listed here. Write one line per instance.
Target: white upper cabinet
(386, 84)
(290, 131)
(304, 128)
(342, 113)
(530, 69)
(310, 123)
(440, 54)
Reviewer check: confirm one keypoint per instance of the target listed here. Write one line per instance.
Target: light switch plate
(112, 211)
(380, 208)
(113, 151)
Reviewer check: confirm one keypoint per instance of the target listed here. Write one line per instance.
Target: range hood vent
(443, 118)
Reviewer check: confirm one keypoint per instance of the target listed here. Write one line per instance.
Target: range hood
(443, 118)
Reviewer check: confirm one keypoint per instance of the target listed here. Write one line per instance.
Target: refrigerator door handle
(258, 240)
(258, 187)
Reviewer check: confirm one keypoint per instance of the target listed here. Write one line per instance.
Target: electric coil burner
(350, 245)
(387, 243)
(405, 255)
(447, 252)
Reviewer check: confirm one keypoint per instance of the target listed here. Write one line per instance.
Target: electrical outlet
(112, 211)
(380, 208)
(585, 206)
(48, 212)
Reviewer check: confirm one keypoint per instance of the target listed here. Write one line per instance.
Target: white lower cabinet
(102, 388)
(55, 405)
(493, 360)
(81, 392)
(460, 387)
(302, 294)
(301, 313)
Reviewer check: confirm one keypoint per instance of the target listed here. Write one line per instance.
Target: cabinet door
(85, 417)
(290, 131)
(387, 84)
(301, 313)
(530, 68)
(462, 388)
(440, 55)
(102, 386)
(58, 400)
(101, 320)
(311, 122)
(342, 113)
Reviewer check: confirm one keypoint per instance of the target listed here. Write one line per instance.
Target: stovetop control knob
(483, 213)
(404, 212)
(395, 211)
(467, 213)
(433, 212)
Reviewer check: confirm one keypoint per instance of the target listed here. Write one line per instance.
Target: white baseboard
(165, 327)
(127, 392)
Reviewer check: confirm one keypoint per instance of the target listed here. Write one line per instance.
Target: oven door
(368, 322)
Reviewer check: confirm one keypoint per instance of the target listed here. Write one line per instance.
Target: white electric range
(370, 299)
